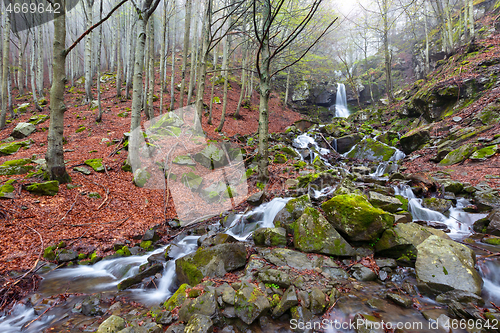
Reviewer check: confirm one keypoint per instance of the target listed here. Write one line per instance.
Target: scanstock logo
(27, 14)
(202, 177)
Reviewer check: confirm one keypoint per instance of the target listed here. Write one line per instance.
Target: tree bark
(5, 70)
(88, 52)
(172, 69)
(187, 31)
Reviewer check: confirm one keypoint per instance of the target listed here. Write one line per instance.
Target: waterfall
(341, 103)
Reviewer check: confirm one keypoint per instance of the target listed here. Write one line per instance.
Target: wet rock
(210, 239)
(66, 255)
(493, 226)
(91, 306)
(199, 324)
(270, 237)
(313, 233)
(401, 300)
(372, 150)
(151, 235)
(286, 257)
(345, 143)
(356, 217)
(165, 318)
(292, 211)
(206, 304)
(213, 261)
(177, 298)
(301, 315)
(437, 204)
(451, 186)
(288, 300)
(227, 293)
(486, 199)
(111, 325)
(23, 130)
(368, 324)
(363, 273)
(461, 296)
(318, 301)
(415, 139)
(403, 239)
(156, 268)
(177, 328)
(250, 303)
(47, 188)
(257, 198)
(275, 276)
(387, 203)
(458, 155)
(445, 265)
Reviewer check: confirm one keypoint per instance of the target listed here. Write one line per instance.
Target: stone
(184, 160)
(363, 273)
(206, 305)
(444, 265)
(12, 147)
(227, 293)
(461, 296)
(437, 204)
(493, 227)
(177, 298)
(211, 262)
(385, 202)
(65, 255)
(151, 235)
(23, 130)
(15, 167)
(154, 269)
(458, 155)
(82, 170)
(257, 198)
(486, 199)
(457, 119)
(275, 276)
(141, 177)
(38, 119)
(293, 210)
(401, 241)
(211, 157)
(192, 181)
(355, 217)
(318, 301)
(199, 323)
(372, 150)
(313, 233)
(47, 188)
(415, 139)
(345, 143)
(288, 300)
(177, 328)
(484, 153)
(7, 190)
(91, 306)
(96, 164)
(286, 257)
(270, 237)
(112, 325)
(250, 303)
(400, 299)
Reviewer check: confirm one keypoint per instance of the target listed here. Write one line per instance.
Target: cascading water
(341, 102)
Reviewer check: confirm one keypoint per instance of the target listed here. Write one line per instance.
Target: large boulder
(437, 204)
(415, 139)
(113, 324)
(355, 217)
(291, 212)
(401, 241)
(212, 261)
(486, 198)
(444, 265)
(23, 130)
(47, 188)
(205, 304)
(494, 222)
(270, 237)
(458, 155)
(385, 202)
(15, 167)
(199, 323)
(313, 233)
(211, 157)
(372, 150)
(345, 143)
(250, 303)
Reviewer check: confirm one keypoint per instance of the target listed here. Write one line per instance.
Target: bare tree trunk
(39, 73)
(163, 55)
(225, 75)
(427, 64)
(150, 109)
(88, 51)
(98, 60)
(194, 55)
(131, 54)
(187, 31)
(214, 65)
(54, 156)
(471, 20)
(172, 77)
(5, 69)
(119, 60)
(33, 74)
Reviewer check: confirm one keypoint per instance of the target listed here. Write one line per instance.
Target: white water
(20, 317)
(341, 102)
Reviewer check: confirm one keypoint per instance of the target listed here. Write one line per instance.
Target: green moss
(48, 188)
(177, 298)
(194, 275)
(49, 253)
(146, 245)
(404, 201)
(280, 158)
(96, 164)
(492, 240)
(484, 153)
(80, 129)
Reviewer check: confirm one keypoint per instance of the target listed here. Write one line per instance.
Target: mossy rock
(484, 153)
(184, 160)
(291, 212)
(15, 167)
(372, 150)
(47, 188)
(123, 114)
(96, 164)
(38, 119)
(177, 298)
(141, 177)
(80, 129)
(12, 147)
(490, 114)
(355, 217)
(280, 159)
(415, 139)
(7, 190)
(192, 181)
(458, 155)
(49, 253)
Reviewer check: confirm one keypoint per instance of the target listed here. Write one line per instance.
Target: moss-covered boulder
(484, 153)
(449, 185)
(113, 324)
(270, 237)
(355, 217)
(213, 261)
(184, 160)
(141, 177)
(458, 155)
(12, 147)
(437, 204)
(490, 114)
(206, 304)
(47, 188)
(96, 164)
(23, 130)
(192, 181)
(401, 241)
(291, 212)
(211, 157)
(199, 323)
(280, 159)
(177, 298)
(15, 167)
(444, 265)
(486, 199)
(313, 233)
(250, 303)
(385, 202)
(345, 143)
(7, 190)
(38, 119)
(372, 150)
(82, 170)
(415, 139)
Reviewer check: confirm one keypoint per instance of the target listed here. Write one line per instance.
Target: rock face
(313, 233)
(250, 303)
(354, 216)
(213, 261)
(444, 265)
(23, 130)
(372, 150)
(415, 139)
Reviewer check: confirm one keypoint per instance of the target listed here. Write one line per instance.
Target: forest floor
(124, 212)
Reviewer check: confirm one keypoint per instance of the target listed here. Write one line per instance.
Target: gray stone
(445, 265)
(372, 150)
(400, 299)
(250, 303)
(363, 273)
(275, 276)
(437, 204)
(83, 170)
(156, 268)
(318, 301)
(270, 237)
(199, 324)
(112, 325)
(211, 157)
(66, 255)
(461, 296)
(22, 130)
(206, 304)
(345, 143)
(493, 227)
(288, 300)
(257, 198)
(177, 328)
(291, 212)
(387, 203)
